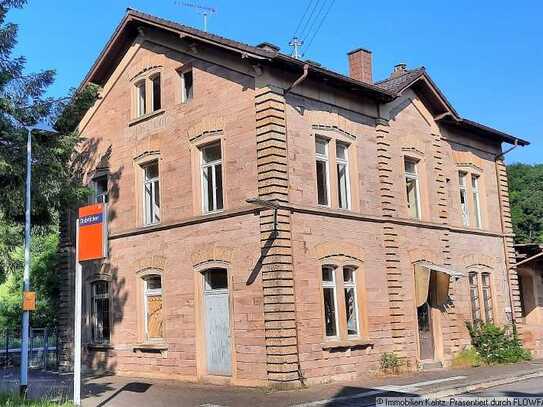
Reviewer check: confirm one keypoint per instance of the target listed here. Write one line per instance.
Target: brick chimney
(399, 70)
(360, 66)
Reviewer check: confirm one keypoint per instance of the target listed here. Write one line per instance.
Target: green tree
(56, 182)
(526, 198)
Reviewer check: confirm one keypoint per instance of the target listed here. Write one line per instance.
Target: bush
(497, 345)
(390, 362)
(467, 358)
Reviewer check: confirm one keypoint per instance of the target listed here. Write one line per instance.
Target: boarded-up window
(487, 297)
(153, 307)
(474, 296)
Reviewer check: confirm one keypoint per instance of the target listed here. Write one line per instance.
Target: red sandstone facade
(278, 308)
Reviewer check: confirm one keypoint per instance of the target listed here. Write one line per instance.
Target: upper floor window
(141, 98)
(343, 185)
(100, 189)
(152, 302)
(412, 187)
(463, 197)
(155, 82)
(100, 308)
(211, 166)
(151, 193)
(321, 150)
(476, 199)
(186, 86)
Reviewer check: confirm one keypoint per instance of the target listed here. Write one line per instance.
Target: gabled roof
(419, 80)
(127, 30)
(384, 91)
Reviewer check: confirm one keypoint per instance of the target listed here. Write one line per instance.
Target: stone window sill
(152, 347)
(346, 343)
(99, 346)
(145, 117)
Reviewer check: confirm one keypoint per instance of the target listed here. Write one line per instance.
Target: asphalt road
(527, 388)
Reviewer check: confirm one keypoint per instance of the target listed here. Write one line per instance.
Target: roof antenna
(296, 43)
(203, 10)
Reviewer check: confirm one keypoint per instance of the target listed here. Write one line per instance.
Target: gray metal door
(217, 323)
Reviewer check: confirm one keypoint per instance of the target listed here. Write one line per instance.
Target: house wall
(530, 275)
(268, 146)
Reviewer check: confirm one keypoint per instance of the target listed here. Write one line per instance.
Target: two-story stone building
(381, 219)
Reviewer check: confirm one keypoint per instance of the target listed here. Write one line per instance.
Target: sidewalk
(131, 392)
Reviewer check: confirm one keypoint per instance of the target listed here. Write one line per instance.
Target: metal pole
(205, 21)
(77, 322)
(45, 348)
(26, 275)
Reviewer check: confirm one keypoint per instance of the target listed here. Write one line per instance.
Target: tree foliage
(56, 183)
(526, 198)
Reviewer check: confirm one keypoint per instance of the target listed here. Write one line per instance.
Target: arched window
(481, 298)
(340, 286)
(152, 302)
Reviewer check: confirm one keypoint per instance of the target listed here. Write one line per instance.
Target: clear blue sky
(486, 56)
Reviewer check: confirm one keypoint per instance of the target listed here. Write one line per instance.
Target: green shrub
(496, 345)
(467, 358)
(390, 361)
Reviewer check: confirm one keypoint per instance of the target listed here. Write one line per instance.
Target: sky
(486, 56)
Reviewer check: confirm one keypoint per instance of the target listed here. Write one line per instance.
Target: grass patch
(13, 400)
(467, 358)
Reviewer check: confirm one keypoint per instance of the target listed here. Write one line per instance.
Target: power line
(303, 17)
(319, 27)
(315, 5)
(314, 22)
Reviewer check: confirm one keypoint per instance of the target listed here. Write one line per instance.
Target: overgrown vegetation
(12, 400)
(56, 182)
(526, 196)
(390, 362)
(496, 344)
(467, 358)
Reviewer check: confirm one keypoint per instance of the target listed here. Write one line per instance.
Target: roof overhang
(134, 21)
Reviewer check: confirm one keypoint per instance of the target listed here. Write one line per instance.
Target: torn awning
(434, 284)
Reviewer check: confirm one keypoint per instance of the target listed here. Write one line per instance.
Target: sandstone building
(273, 222)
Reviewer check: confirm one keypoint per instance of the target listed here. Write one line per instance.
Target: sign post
(91, 244)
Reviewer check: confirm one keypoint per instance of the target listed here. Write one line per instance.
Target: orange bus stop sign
(29, 301)
(92, 232)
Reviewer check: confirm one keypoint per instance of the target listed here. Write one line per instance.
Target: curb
(456, 390)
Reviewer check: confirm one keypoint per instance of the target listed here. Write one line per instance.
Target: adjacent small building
(530, 278)
(274, 223)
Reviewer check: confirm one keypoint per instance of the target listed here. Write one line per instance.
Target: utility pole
(204, 10)
(296, 43)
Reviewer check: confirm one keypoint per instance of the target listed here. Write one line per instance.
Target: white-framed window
(152, 302)
(151, 193)
(343, 181)
(322, 167)
(156, 86)
(212, 188)
(141, 103)
(187, 85)
(463, 197)
(351, 300)
(476, 199)
(412, 187)
(100, 189)
(330, 301)
(100, 308)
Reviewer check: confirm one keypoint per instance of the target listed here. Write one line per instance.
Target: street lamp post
(23, 383)
(26, 274)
